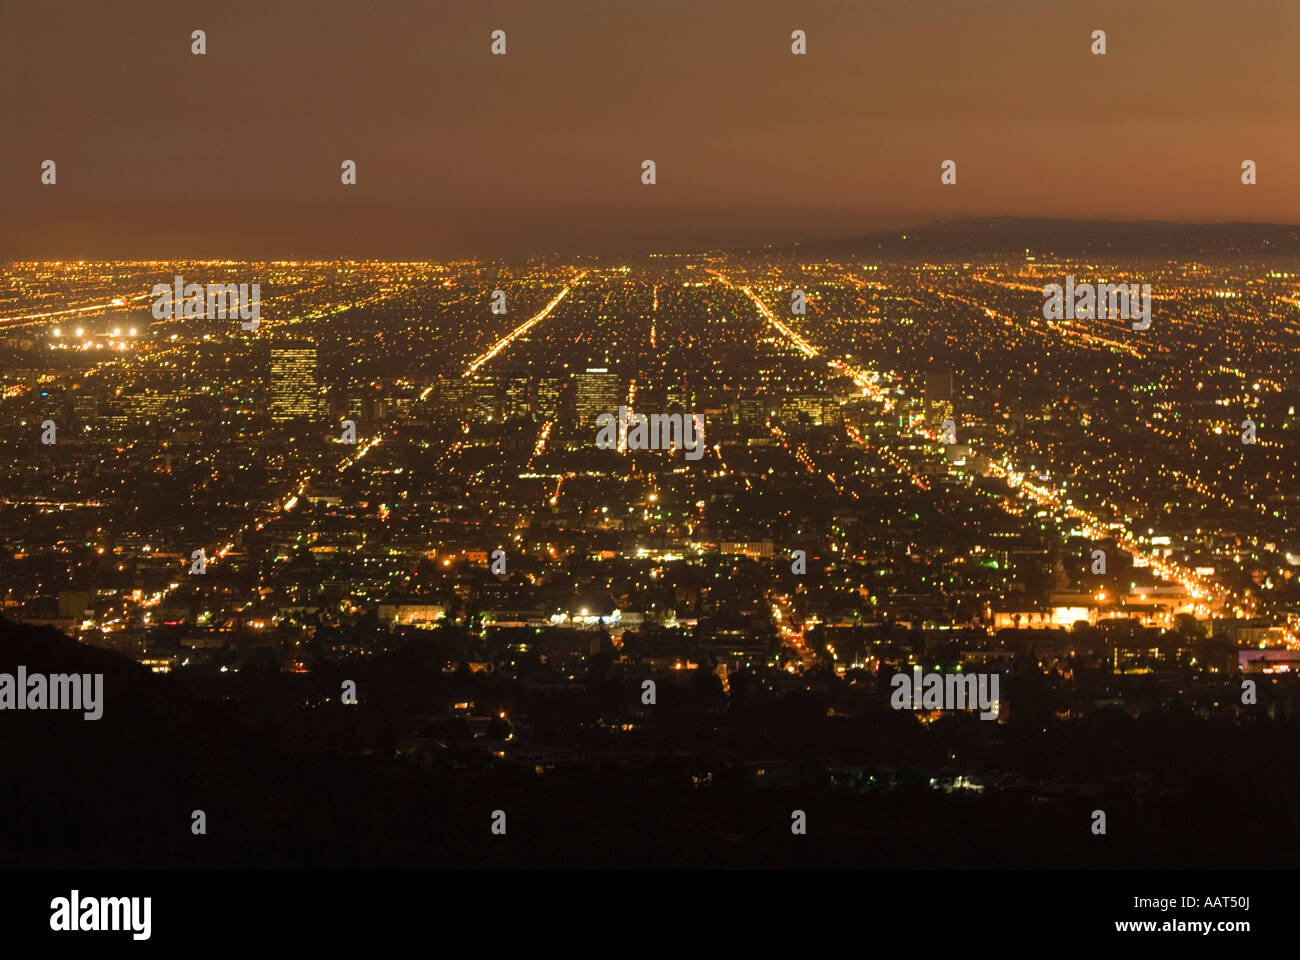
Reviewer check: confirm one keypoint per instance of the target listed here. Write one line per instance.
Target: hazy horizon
(683, 249)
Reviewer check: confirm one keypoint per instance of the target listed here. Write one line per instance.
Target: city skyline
(496, 436)
(928, 509)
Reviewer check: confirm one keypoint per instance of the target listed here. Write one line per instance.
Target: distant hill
(977, 238)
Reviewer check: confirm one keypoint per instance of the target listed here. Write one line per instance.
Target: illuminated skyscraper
(547, 402)
(517, 397)
(486, 398)
(938, 398)
(595, 392)
(295, 393)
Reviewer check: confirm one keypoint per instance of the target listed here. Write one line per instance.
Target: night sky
(460, 153)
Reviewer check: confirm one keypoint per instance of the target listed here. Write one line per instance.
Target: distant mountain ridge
(975, 238)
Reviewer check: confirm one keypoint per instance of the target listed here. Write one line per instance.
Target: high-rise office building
(295, 392)
(547, 403)
(518, 397)
(938, 398)
(453, 397)
(596, 391)
(486, 397)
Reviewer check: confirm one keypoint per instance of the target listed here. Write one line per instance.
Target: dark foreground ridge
(286, 787)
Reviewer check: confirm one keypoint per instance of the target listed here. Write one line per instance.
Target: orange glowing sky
(237, 153)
